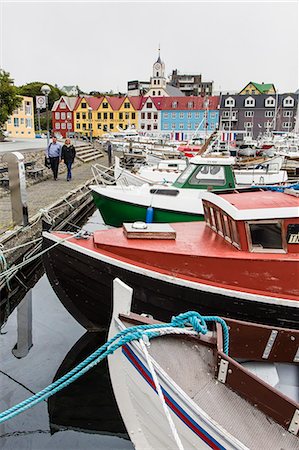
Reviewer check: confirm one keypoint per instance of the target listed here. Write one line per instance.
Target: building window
(133, 116)
(181, 115)
(174, 104)
(105, 105)
(249, 114)
(288, 114)
(173, 126)
(111, 126)
(142, 115)
(22, 121)
(83, 116)
(105, 116)
(78, 126)
(77, 115)
(173, 115)
(99, 116)
(165, 126)
(247, 124)
(28, 123)
(212, 114)
(63, 115)
(229, 102)
(127, 105)
(225, 114)
(189, 126)
(155, 126)
(196, 125)
(16, 122)
(127, 116)
(190, 105)
(249, 102)
(189, 115)
(212, 126)
(155, 81)
(268, 124)
(84, 126)
(99, 126)
(142, 126)
(62, 105)
(9, 120)
(270, 101)
(165, 115)
(69, 115)
(154, 92)
(287, 124)
(121, 116)
(111, 116)
(197, 115)
(69, 126)
(159, 92)
(149, 115)
(63, 126)
(149, 105)
(149, 127)
(57, 126)
(156, 116)
(269, 113)
(288, 102)
(83, 105)
(57, 115)
(181, 126)
(28, 109)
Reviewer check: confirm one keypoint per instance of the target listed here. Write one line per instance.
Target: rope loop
(192, 318)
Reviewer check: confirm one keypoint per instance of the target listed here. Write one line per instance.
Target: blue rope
(124, 337)
(278, 188)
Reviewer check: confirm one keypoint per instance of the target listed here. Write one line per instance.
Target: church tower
(158, 80)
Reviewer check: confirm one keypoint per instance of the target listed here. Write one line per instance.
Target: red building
(62, 115)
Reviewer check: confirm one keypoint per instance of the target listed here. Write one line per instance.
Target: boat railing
(102, 174)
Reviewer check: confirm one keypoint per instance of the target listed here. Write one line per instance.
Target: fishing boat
(180, 202)
(187, 391)
(241, 263)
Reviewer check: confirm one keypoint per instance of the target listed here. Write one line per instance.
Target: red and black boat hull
(84, 285)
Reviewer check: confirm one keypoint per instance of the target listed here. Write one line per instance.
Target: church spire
(159, 58)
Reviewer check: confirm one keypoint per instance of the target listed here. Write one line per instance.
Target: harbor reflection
(88, 404)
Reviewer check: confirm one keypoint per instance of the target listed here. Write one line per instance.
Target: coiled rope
(184, 320)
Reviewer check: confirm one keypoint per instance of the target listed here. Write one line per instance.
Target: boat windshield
(186, 174)
(265, 236)
(205, 174)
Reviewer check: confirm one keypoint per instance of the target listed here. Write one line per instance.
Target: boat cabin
(255, 220)
(207, 173)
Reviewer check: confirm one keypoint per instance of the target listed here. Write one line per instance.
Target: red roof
(94, 102)
(190, 103)
(136, 101)
(115, 102)
(261, 199)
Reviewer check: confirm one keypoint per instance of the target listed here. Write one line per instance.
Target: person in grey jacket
(54, 154)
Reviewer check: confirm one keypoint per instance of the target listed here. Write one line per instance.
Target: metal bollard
(17, 186)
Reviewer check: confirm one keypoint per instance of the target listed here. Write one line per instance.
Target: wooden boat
(180, 202)
(214, 400)
(242, 263)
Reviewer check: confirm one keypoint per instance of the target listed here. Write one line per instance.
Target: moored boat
(242, 263)
(188, 391)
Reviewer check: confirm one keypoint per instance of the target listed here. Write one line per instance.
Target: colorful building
(21, 122)
(62, 115)
(258, 88)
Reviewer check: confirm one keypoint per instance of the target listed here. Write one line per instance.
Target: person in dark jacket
(68, 154)
(53, 153)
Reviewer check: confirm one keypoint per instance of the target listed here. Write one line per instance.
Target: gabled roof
(115, 102)
(263, 88)
(136, 101)
(157, 101)
(70, 102)
(182, 103)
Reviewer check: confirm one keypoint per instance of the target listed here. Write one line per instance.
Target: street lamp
(90, 122)
(46, 91)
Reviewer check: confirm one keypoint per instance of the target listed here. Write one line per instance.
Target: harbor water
(81, 416)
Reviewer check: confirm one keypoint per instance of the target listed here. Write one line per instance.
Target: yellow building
(21, 122)
(96, 116)
(253, 88)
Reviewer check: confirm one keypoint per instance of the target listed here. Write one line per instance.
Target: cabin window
(219, 223)
(234, 233)
(207, 214)
(226, 228)
(265, 235)
(213, 221)
(185, 175)
(210, 175)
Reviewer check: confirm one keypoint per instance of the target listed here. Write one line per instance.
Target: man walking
(54, 155)
(109, 151)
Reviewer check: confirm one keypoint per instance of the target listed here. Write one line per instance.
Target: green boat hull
(116, 212)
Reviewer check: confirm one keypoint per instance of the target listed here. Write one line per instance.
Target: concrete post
(24, 327)
(17, 186)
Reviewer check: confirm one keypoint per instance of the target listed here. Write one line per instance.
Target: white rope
(21, 245)
(161, 396)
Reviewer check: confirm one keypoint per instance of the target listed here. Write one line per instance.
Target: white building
(71, 91)
(149, 119)
(158, 83)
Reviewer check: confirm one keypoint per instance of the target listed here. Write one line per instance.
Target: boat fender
(149, 214)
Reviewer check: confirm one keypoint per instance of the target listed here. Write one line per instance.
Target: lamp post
(46, 91)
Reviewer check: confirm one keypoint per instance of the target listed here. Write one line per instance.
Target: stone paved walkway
(46, 192)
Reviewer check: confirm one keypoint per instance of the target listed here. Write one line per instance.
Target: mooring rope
(191, 318)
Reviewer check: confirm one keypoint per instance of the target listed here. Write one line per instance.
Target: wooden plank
(149, 231)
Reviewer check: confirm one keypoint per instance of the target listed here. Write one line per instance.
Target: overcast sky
(100, 46)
